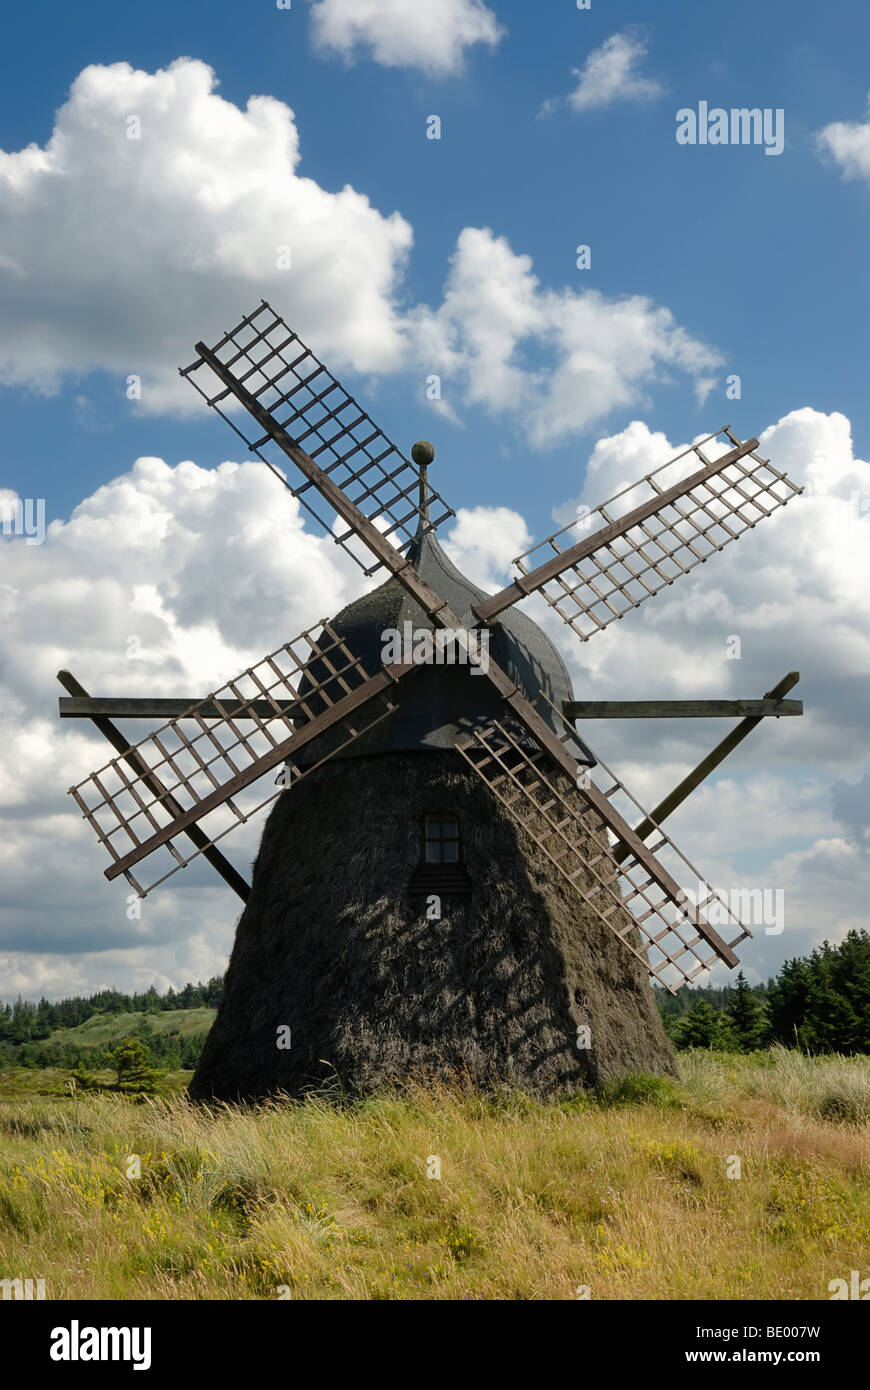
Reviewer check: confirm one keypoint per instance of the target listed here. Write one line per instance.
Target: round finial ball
(423, 452)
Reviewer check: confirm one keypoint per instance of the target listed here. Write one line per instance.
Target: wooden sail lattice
(664, 926)
(670, 536)
(302, 398)
(194, 769)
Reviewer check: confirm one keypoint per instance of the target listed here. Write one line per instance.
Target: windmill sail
(144, 802)
(647, 535)
(638, 899)
(290, 393)
(652, 532)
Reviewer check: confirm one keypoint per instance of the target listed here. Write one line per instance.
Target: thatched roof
(332, 946)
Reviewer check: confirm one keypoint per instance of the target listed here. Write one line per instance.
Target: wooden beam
(124, 707)
(210, 852)
(525, 584)
(706, 765)
(679, 709)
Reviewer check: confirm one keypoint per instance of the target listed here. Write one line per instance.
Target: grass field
(626, 1195)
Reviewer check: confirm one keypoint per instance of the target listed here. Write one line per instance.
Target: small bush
(639, 1089)
(845, 1106)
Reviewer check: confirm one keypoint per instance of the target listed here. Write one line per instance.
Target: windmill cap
(423, 452)
(437, 704)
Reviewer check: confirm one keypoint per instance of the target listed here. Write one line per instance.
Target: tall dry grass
(626, 1194)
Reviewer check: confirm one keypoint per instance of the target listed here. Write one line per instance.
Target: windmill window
(441, 840)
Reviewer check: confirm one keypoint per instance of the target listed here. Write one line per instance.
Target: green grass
(24, 1083)
(626, 1193)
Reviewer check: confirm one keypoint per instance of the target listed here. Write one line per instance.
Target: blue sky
(764, 258)
(729, 260)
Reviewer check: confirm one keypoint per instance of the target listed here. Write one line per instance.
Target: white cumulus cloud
(598, 354)
(119, 253)
(432, 35)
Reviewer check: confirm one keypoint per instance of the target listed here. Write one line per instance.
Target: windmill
(450, 879)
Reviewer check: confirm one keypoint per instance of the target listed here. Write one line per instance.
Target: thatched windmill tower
(441, 887)
(401, 922)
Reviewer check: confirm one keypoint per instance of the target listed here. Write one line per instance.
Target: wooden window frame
(440, 818)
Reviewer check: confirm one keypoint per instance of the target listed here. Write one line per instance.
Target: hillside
(174, 1038)
(104, 1029)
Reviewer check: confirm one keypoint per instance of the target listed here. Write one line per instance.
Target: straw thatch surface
(331, 945)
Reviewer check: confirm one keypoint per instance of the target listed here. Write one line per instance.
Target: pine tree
(788, 1000)
(132, 1063)
(42, 1026)
(850, 981)
(23, 1020)
(704, 1026)
(822, 1002)
(748, 1017)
